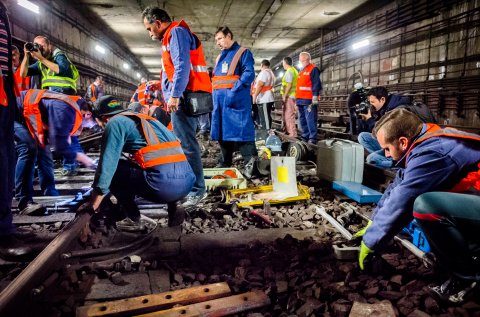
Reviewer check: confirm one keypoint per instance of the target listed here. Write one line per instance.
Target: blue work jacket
(436, 164)
(232, 108)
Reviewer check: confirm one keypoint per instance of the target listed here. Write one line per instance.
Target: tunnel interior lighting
(360, 44)
(126, 66)
(280, 74)
(299, 65)
(100, 49)
(138, 75)
(29, 5)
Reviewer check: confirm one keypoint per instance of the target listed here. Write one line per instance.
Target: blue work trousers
(185, 128)
(308, 122)
(28, 152)
(71, 164)
(204, 123)
(377, 154)
(164, 183)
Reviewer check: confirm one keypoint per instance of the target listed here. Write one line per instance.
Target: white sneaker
(193, 200)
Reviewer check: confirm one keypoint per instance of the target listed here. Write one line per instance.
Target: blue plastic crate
(419, 238)
(357, 192)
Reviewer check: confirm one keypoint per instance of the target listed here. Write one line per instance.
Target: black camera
(33, 47)
(362, 108)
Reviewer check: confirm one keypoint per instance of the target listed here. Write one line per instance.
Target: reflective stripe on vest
(33, 117)
(293, 89)
(304, 83)
(50, 79)
(265, 87)
(229, 80)
(156, 152)
(21, 83)
(472, 180)
(199, 79)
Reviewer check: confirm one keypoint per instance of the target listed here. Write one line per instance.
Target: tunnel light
(281, 74)
(126, 66)
(138, 75)
(360, 44)
(299, 65)
(100, 49)
(29, 5)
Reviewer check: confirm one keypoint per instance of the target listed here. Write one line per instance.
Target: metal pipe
(321, 211)
(41, 266)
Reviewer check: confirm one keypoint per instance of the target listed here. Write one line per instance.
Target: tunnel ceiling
(267, 27)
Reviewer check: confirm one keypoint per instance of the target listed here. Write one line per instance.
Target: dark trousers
(451, 223)
(246, 148)
(263, 115)
(28, 152)
(166, 183)
(7, 158)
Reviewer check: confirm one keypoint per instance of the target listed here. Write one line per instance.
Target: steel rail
(39, 269)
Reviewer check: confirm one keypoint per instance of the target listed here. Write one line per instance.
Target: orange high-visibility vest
(92, 88)
(33, 117)
(3, 94)
(304, 83)
(229, 80)
(265, 87)
(140, 92)
(472, 180)
(156, 152)
(198, 78)
(21, 83)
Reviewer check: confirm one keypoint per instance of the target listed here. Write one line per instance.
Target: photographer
(357, 104)
(57, 71)
(381, 102)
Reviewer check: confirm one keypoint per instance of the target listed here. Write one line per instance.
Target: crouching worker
(157, 168)
(434, 160)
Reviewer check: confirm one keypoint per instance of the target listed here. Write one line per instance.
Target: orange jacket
(304, 83)
(21, 83)
(198, 79)
(156, 152)
(472, 180)
(33, 117)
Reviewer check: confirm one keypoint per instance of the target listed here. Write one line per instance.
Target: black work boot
(176, 214)
(32, 209)
(12, 249)
(454, 290)
(249, 170)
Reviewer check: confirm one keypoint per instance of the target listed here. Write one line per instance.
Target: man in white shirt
(262, 96)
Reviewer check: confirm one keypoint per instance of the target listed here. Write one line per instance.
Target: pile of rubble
(302, 278)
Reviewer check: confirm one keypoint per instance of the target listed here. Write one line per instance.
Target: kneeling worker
(157, 170)
(439, 186)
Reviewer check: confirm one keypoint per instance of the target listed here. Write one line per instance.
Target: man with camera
(57, 71)
(381, 102)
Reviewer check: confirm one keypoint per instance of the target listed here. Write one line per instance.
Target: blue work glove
(364, 252)
(362, 231)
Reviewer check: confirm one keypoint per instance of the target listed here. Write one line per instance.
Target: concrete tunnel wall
(428, 50)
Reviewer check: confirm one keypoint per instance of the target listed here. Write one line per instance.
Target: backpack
(421, 110)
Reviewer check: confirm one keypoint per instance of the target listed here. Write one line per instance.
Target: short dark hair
(378, 92)
(14, 48)
(288, 60)
(265, 62)
(398, 123)
(225, 30)
(153, 14)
